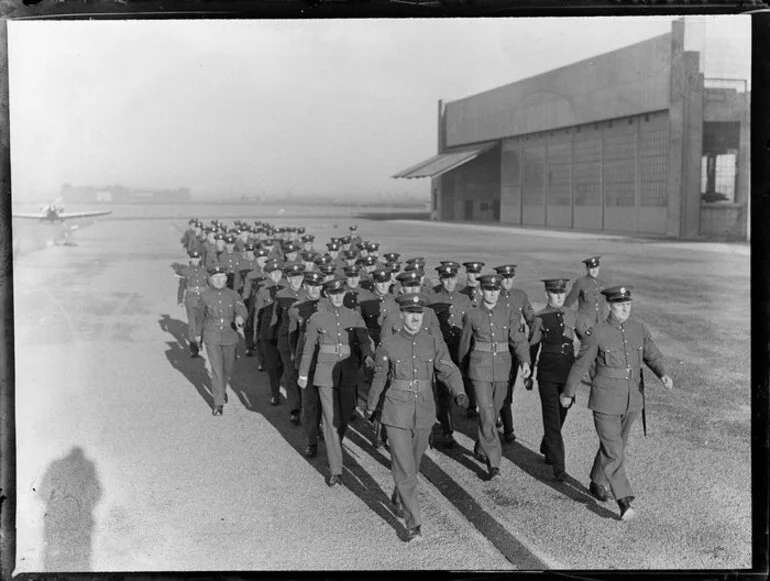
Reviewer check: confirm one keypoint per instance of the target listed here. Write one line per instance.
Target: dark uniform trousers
(272, 362)
(443, 394)
(248, 328)
(407, 447)
(554, 415)
(195, 312)
(506, 414)
(337, 404)
(490, 397)
(293, 397)
(311, 412)
(608, 468)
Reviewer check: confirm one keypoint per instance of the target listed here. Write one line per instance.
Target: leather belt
(196, 289)
(563, 348)
(336, 348)
(413, 385)
(614, 372)
(496, 347)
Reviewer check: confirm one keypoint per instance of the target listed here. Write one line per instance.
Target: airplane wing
(29, 216)
(74, 215)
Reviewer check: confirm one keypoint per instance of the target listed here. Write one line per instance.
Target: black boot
(194, 349)
(627, 511)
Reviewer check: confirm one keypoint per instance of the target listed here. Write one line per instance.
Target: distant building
(640, 140)
(117, 194)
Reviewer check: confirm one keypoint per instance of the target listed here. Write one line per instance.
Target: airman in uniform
(587, 291)
(552, 335)
(212, 258)
(224, 311)
(472, 290)
(284, 299)
(251, 279)
(337, 343)
(522, 310)
(188, 234)
(450, 307)
(377, 304)
(267, 333)
(488, 331)
(355, 239)
(406, 363)
(193, 282)
(354, 291)
(618, 347)
(307, 242)
(299, 315)
(391, 323)
(229, 260)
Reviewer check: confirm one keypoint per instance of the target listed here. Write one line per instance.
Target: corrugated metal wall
(609, 176)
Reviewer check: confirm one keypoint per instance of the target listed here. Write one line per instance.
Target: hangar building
(640, 140)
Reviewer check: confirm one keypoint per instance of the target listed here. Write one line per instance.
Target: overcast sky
(332, 107)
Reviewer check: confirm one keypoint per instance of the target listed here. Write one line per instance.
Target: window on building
(719, 161)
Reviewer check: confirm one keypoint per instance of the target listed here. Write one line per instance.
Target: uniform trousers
(443, 396)
(609, 464)
(337, 405)
(290, 375)
(195, 316)
(248, 327)
(490, 397)
(554, 415)
(470, 392)
(507, 412)
(407, 447)
(311, 413)
(221, 360)
(272, 362)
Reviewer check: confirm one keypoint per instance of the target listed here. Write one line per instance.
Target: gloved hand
(462, 400)
(369, 362)
(565, 400)
(529, 383)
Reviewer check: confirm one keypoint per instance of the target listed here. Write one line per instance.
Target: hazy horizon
(327, 108)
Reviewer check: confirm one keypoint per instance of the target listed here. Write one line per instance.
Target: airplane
(54, 214)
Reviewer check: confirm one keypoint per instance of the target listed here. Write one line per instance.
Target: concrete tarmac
(121, 466)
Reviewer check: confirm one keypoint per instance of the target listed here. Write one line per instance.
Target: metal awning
(444, 162)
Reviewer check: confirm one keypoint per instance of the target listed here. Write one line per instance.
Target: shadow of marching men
(526, 460)
(252, 389)
(178, 354)
(70, 490)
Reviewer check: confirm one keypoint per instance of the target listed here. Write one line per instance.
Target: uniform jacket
(251, 281)
(473, 293)
(552, 334)
(244, 267)
(450, 309)
(518, 300)
(221, 308)
(483, 326)
(335, 327)
(195, 278)
(586, 290)
(618, 350)
(411, 357)
(353, 298)
(393, 324)
(284, 299)
(264, 307)
(375, 310)
(299, 315)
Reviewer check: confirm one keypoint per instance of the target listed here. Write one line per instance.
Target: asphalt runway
(121, 466)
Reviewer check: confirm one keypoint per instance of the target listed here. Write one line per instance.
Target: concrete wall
(724, 221)
(624, 82)
(477, 181)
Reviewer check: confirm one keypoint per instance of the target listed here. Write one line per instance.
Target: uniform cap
(349, 254)
(592, 262)
(556, 285)
(506, 270)
(192, 221)
(230, 240)
(334, 286)
(272, 265)
(294, 269)
(291, 247)
(308, 238)
(301, 230)
(446, 271)
(248, 246)
(345, 239)
(313, 278)
(412, 303)
(327, 269)
(309, 255)
(218, 269)
(417, 259)
(323, 259)
(219, 236)
(369, 260)
(409, 278)
(452, 263)
(335, 239)
(351, 271)
(194, 254)
(260, 252)
(352, 227)
(332, 245)
(473, 266)
(490, 281)
(391, 256)
(381, 275)
(618, 294)
(372, 246)
(414, 267)
(393, 266)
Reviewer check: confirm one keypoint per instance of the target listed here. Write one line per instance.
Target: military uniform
(193, 282)
(267, 332)
(618, 350)
(284, 299)
(552, 335)
(221, 307)
(484, 352)
(450, 309)
(337, 343)
(587, 291)
(406, 363)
